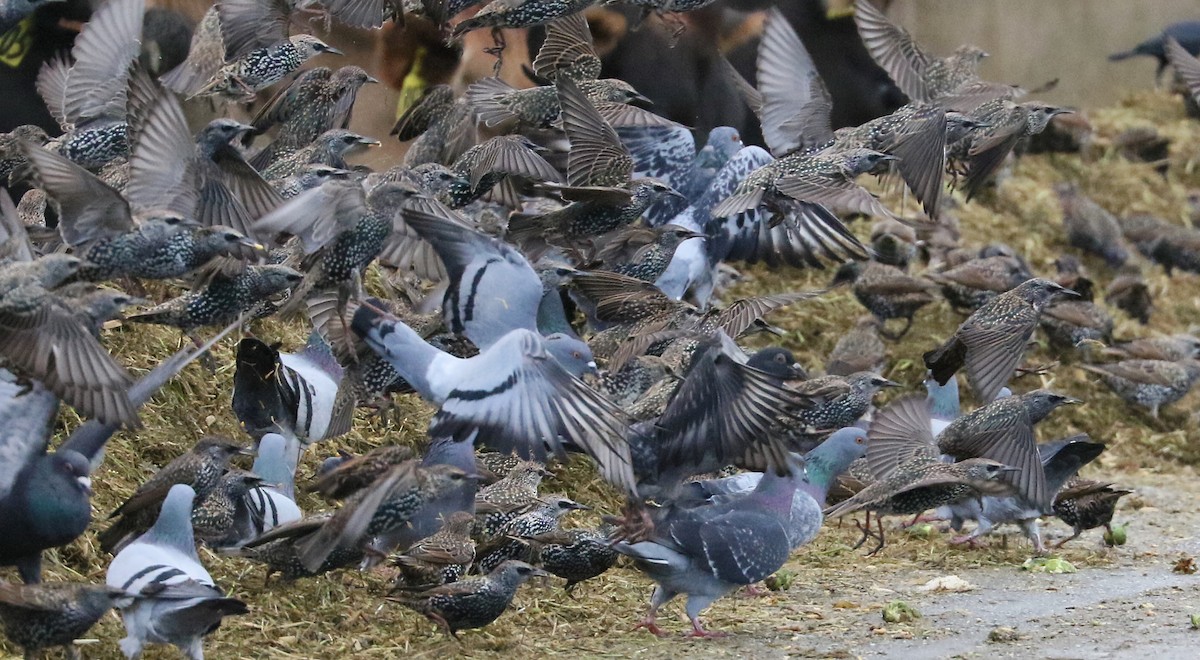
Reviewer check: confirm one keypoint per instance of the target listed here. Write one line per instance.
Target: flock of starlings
(547, 259)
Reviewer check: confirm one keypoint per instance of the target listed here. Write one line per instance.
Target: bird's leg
(882, 542)
(969, 540)
(699, 631)
(920, 518)
(755, 591)
(865, 528)
(1072, 537)
(678, 26)
(207, 360)
(648, 622)
(73, 653)
(497, 49)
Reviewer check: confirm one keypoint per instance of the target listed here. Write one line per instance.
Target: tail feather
(945, 360)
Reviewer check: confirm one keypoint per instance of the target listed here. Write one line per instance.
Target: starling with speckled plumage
(1007, 123)
(924, 483)
(307, 178)
(1090, 227)
(835, 402)
(485, 165)
(860, 349)
(39, 616)
(825, 178)
(96, 304)
(440, 127)
(498, 464)
(279, 551)
(205, 55)
(498, 105)
(438, 559)
(88, 98)
(201, 468)
(574, 555)
(215, 518)
(241, 79)
(474, 602)
(635, 378)
(46, 340)
(329, 148)
(12, 156)
(224, 299)
(643, 252)
(385, 506)
(504, 500)
(1150, 384)
(886, 291)
(543, 518)
(358, 472)
(975, 282)
(519, 14)
(992, 341)
(316, 102)
(1087, 504)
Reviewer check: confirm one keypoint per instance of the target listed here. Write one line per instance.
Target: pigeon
(272, 503)
(511, 394)
(175, 599)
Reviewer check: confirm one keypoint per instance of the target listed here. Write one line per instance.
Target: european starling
(1090, 227)
(329, 148)
(1069, 322)
(215, 518)
(99, 223)
(835, 402)
(825, 178)
(921, 76)
(97, 304)
(206, 54)
(543, 518)
(498, 105)
(518, 14)
(643, 253)
(223, 300)
(201, 469)
(574, 555)
(1130, 293)
(474, 602)
(924, 483)
(262, 67)
(1007, 123)
(1150, 384)
(440, 127)
(971, 284)
(175, 600)
(1185, 33)
(1169, 245)
(634, 379)
(860, 349)
(886, 291)
(12, 154)
(1087, 504)
(991, 342)
(316, 102)
(307, 178)
(1172, 348)
(88, 98)
(894, 242)
(48, 341)
(438, 559)
(500, 502)
(485, 165)
(358, 472)
(38, 616)
(373, 513)
(559, 409)
(496, 464)
(279, 550)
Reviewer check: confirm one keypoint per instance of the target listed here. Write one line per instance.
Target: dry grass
(344, 613)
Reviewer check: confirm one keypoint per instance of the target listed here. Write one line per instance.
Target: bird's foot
(919, 519)
(497, 50)
(1035, 369)
(969, 541)
(699, 631)
(754, 591)
(649, 624)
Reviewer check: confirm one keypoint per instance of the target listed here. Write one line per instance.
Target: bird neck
(775, 492)
(552, 316)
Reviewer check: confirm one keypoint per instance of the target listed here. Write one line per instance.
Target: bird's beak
(675, 193)
(581, 507)
(1061, 111)
(695, 234)
(333, 51)
(640, 101)
(252, 244)
(1071, 401)
(85, 483)
(1068, 292)
(138, 302)
(890, 383)
(1009, 468)
(592, 368)
(245, 128)
(372, 79)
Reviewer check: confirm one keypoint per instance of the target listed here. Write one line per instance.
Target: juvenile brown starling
(1090, 227)
(39, 616)
(860, 349)
(886, 291)
(1069, 322)
(991, 342)
(201, 468)
(438, 559)
(262, 67)
(971, 284)
(223, 300)
(543, 518)
(205, 55)
(474, 602)
(316, 102)
(1087, 504)
(1130, 293)
(358, 472)
(1150, 384)
(1172, 348)
(48, 341)
(921, 484)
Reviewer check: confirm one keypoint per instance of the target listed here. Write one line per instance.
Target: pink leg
(649, 624)
(968, 540)
(699, 631)
(754, 591)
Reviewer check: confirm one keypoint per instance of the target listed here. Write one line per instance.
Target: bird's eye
(780, 358)
(736, 138)
(577, 355)
(348, 139)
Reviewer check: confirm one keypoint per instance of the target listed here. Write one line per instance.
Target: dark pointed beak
(637, 100)
(333, 51)
(372, 79)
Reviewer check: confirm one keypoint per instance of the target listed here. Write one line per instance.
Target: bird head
(1040, 292)
(308, 46)
(778, 362)
(75, 469)
(848, 273)
(1040, 403)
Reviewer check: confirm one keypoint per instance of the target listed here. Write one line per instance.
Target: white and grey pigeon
(513, 395)
(492, 290)
(297, 395)
(176, 601)
(668, 153)
(272, 503)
